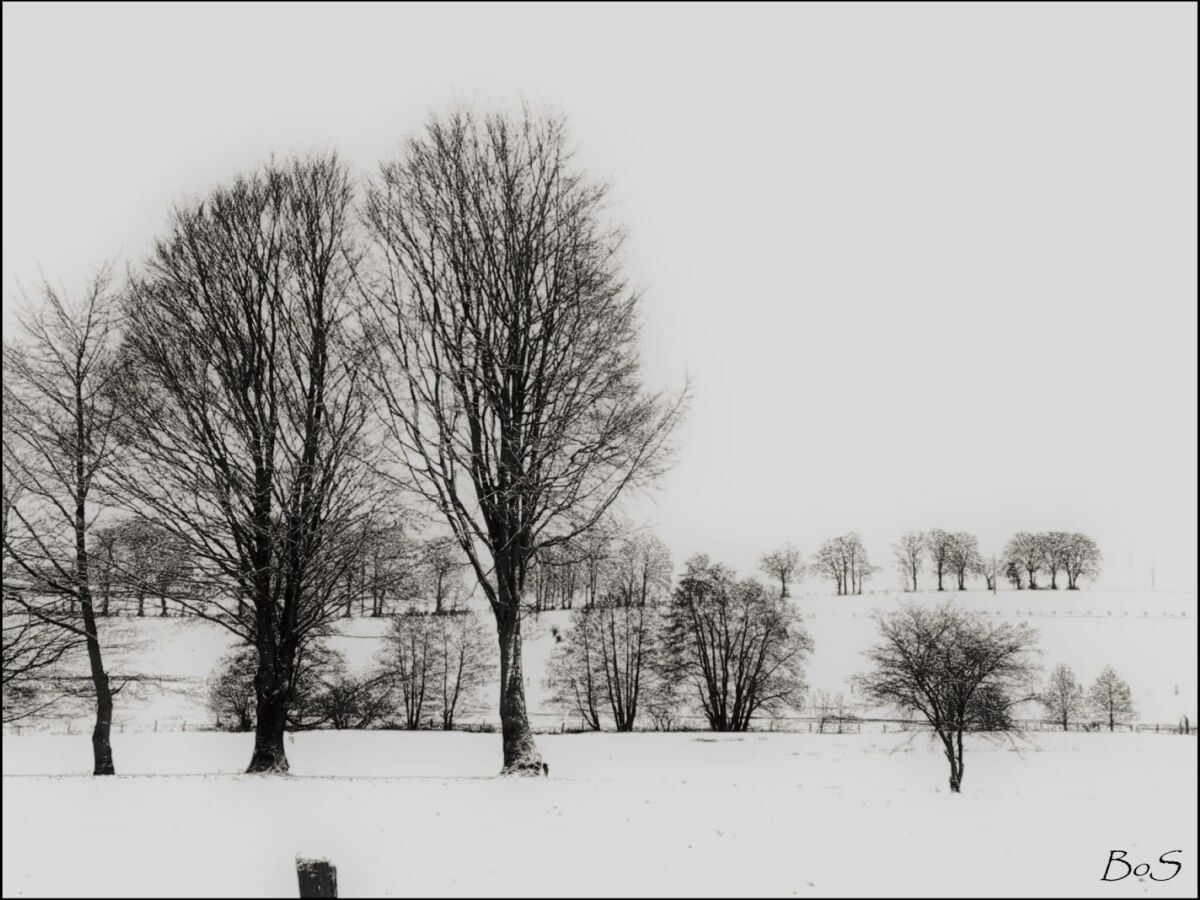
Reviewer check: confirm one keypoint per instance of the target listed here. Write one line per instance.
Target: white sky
(927, 265)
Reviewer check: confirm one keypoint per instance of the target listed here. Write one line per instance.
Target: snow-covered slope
(1150, 638)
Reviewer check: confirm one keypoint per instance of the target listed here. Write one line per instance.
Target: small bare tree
(1111, 700)
(939, 545)
(638, 572)
(782, 565)
(58, 430)
(627, 633)
(506, 344)
(465, 659)
(573, 673)
(963, 557)
(910, 553)
(1028, 553)
(1081, 560)
(952, 667)
(1056, 548)
(412, 660)
(1063, 697)
(442, 566)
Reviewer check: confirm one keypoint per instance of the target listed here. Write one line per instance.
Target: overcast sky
(927, 266)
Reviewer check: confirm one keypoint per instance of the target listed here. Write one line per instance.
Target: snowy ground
(1150, 638)
(416, 814)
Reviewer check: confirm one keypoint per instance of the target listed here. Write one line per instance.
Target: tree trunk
(939, 574)
(521, 755)
(269, 754)
(101, 747)
(271, 687)
(955, 759)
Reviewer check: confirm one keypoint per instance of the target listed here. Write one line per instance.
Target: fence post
(317, 877)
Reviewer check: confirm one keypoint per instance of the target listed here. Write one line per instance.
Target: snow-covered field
(416, 814)
(1150, 638)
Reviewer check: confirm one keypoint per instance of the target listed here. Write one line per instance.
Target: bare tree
(412, 659)
(594, 550)
(963, 556)
(1111, 700)
(985, 569)
(345, 701)
(829, 562)
(740, 649)
(231, 696)
(782, 565)
(606, 659)
(830, 708)
(508, 372)
(1028, 553)
(843, 560)
(939, 545)
(952, 667)
(1055, 548)
(910, 553)
(33, 648)
(638, 572)
(573, 673)
(1063, 697)
(464, 661)
(1015, 574)
(442, 567)
(57, 440)
(244, 422)
(1081, 560)
(857, 567)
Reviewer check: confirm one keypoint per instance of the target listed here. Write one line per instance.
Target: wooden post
(318, 877)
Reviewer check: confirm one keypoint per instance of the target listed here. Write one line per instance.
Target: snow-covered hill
(1149, 638)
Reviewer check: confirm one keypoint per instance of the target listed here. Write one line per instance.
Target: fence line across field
(552, 723)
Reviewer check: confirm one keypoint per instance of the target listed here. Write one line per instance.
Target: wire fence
(552, 723)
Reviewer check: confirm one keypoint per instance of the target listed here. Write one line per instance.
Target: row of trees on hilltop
(951, 558)
(1050, 553)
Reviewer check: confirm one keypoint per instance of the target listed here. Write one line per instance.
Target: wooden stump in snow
(318, 877)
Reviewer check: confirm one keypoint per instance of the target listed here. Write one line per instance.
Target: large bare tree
(245, 420)
(58, 438)
(507, 343)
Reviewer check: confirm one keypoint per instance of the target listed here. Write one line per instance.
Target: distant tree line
(953, 557)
